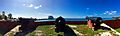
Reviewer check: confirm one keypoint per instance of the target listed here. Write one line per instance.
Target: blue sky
(65, 8)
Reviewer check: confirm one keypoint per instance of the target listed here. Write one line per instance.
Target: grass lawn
(48, 30)
(87, 31)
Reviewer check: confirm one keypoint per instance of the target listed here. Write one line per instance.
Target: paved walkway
(75, 31)
(71, 32)
(13, 31)
(38, 33)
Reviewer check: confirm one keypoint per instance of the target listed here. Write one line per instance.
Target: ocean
(70, 19)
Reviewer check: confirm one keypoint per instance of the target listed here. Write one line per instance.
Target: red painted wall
(6, 26)
(113, 23)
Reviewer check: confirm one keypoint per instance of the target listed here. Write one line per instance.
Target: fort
(28, 23)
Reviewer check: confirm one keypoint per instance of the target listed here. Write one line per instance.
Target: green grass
(118, 30)
(49, 30)
(87, 31)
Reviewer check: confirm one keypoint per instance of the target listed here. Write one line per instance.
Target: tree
(10, 16)
(50, 17)
(4, 17)
(0, 17)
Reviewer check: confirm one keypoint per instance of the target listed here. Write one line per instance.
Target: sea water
(69, 19)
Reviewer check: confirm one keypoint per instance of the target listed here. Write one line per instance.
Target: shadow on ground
(68, 31)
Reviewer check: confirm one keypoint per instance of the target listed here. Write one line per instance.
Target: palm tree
(4, 17)
(10, 16)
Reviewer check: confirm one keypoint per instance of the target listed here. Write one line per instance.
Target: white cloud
(36, 7)
(40, 6)
(28, 5)
(110, 12)
(31, 5)
(19, 15)
(104, 13)
(44, 15)
(24, 4)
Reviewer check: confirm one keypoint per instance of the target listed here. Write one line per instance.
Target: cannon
(95, 23)
(27, 26)
(59, 24)
(27, 23)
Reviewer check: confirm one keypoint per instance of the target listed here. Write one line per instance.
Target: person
(94, 23)
(90, 24)
(97, 24)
